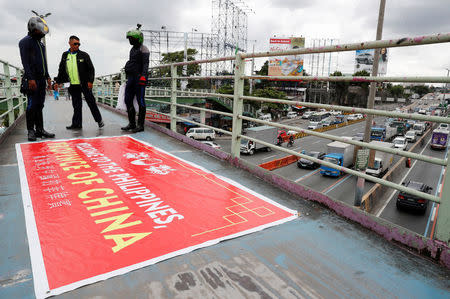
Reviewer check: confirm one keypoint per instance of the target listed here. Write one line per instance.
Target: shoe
(129, 127)
(44, 134)
(101, 124)
(72, 127)
(138, 129)
(31, 135)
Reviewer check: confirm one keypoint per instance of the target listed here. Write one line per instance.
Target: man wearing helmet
(76, 67)
(136, 70)
(34, 61)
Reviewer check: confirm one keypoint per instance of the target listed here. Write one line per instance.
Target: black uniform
(136, 70)
(86, 72)
(32, 54)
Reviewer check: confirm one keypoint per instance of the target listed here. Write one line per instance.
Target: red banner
(100, 207)
(157, 117)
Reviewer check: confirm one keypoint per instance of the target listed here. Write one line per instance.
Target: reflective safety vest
(72, 68)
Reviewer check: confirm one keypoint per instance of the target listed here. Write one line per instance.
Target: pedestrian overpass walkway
(317, 255)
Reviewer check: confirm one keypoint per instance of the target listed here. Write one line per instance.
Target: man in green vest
(76, 67)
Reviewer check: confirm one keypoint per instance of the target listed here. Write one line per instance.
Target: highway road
(420, 171)
(343, 188)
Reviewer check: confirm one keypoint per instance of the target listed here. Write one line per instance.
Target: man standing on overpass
(32, 54)
(136, 70)
(76, 67)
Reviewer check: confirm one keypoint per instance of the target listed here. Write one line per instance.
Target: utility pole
(370, 103)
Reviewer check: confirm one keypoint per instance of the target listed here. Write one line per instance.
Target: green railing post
(237, 105)
(173, 98)
(443, 213)
(20, 96)
(111, 91)
(8, 94)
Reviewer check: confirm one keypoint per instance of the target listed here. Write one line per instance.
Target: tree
(396, 90)
(341, 89)
(359, 91)
(421, 90)
(270, 92)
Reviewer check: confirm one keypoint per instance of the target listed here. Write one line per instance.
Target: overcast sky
(101, 26)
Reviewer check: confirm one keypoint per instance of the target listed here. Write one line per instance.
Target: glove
(142, 81)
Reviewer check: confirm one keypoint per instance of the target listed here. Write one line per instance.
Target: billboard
(286, 65)
(364, 61)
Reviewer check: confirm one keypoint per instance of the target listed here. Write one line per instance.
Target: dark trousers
(133, 89)
(35, 105)
(77, 103)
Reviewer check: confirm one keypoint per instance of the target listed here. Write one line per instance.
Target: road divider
(371, 198)
(281, 162)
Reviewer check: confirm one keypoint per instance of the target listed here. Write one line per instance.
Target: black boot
(131, 119)
(41, 133)
(31, 135)
(141, 120)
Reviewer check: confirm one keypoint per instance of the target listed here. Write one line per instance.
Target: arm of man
(61, 71)
(91, 71)
(47, 76)
(25, 56)
(145, 58)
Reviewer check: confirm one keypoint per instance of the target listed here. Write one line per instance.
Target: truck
(400, 125)
(338, 153)
(264, 133)
(382, 160)
(439, 139)
(383, 133)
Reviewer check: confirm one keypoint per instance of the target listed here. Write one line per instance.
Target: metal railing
(106, 95)
(12, 102)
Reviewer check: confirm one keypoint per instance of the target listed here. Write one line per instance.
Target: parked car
(307, 114)
(352, 117)
(400, 143)
(212, 144)
(201, 133)
(411, 136)
(304, 163)
(292, 114)
(405, 200)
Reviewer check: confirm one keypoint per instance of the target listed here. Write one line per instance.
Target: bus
(319, 116)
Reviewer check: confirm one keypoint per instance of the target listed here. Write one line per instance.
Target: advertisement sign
(364, 61)
(101, 207)
(286, 65)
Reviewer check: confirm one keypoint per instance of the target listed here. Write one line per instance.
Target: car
(352, 117)
(443, 126)
(411, 136)
(400, 143)
(364, 58)
(315, 125)
(307, 114)
(305, 163)
(292, 114)
(359, 136)
(212, 144)
(405, 200)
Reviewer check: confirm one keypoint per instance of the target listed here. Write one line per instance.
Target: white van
(201, 133)
(266, 117)
(291, 114)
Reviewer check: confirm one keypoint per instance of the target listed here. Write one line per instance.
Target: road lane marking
(335, 184)
(316, 141)
(433, 214)
(268, 157)
(306, 175)
(395, 190)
